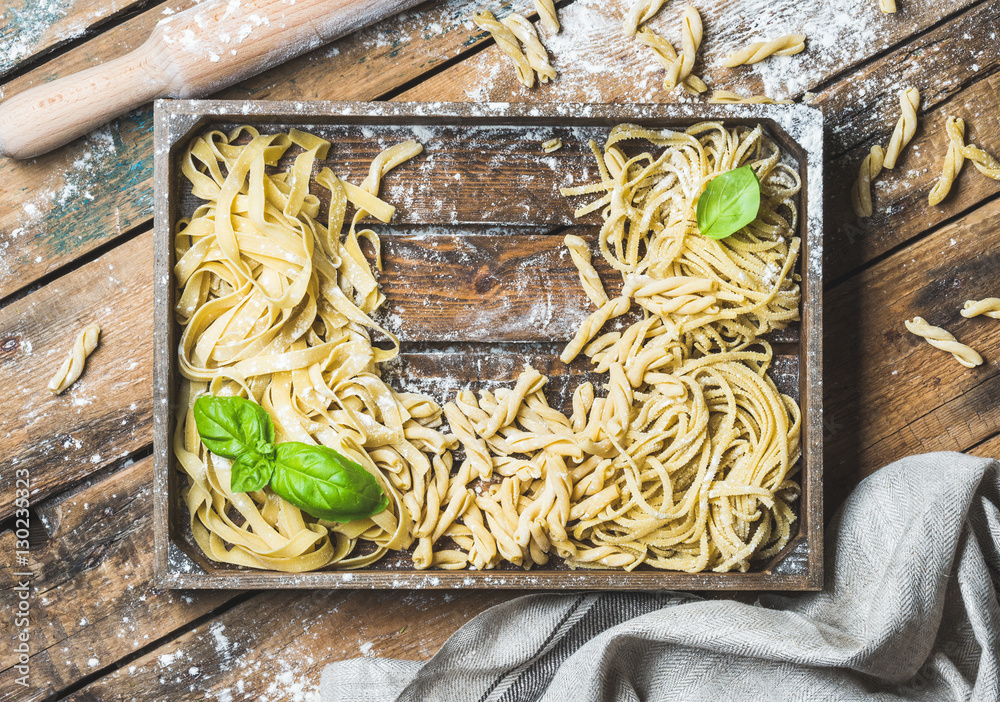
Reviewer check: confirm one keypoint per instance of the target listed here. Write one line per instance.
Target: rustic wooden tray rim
(175, 118)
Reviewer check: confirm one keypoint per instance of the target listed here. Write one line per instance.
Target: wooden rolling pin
(192, 53)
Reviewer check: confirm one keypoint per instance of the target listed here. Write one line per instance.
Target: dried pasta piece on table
(781, 46)
(984, 162)
(508, 43)
(580, 253)
(534, 50)
(861, 193)
(944, 340)
(887, 6)
(691, 33)
(551, 145)
(667, 55)
(69, 372)
(989, 307)
(641, 12)
(953, 160)
(547, 15)
(727, 97)
(909, 101)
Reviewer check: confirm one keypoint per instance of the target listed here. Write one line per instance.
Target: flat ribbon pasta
(274, 306)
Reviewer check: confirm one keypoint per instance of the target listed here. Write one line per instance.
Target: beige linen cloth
(908, 612)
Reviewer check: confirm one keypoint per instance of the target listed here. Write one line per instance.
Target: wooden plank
(901, 208)
(484, 288)
(597, 63)
(93, 600)
(889, 393)
(988, 449)
(274, 646)
(63, 204)
(30, 29)
(107, 413)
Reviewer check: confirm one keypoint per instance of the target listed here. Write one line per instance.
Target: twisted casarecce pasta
(641, 12)
(508, 43)
(861, 193)
(953, 160)
(727, 97)
(546, 10)
(537, 57)
(909, 101)
(71, 369)
(887, 6)
(691, 33)
(580, 253)
(665, 53)
(944, 340)
(984, 162)
(989, 307)
(781, 46)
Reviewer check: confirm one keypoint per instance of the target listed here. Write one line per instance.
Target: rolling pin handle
(52, 114)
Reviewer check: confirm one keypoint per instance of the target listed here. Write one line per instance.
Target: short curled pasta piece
(71, 369)
(508, 43)
(887, 6)
(580, 253)
(944, 340)
(691, 33)
(665, 53)
(909, 101)
(989, 307)
(534, 51)
(861, 193)
(546, 10)
(984, 162)
(641, 12)
(953, 160)
(550, 145)
(781, 46)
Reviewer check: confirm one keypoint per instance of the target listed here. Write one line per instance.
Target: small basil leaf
(730, 202)
(321, 482)
(231, 425)
(251, 471)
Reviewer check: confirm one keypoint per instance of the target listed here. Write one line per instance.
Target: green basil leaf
(231, 425)
(321, 482)
(250, 472)
(730, 202)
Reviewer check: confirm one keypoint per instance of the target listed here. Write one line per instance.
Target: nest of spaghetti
(683, 460)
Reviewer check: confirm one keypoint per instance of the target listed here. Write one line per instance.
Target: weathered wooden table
(76, 247)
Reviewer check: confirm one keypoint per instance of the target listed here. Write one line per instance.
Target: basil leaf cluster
(316, 479)
(729, 203)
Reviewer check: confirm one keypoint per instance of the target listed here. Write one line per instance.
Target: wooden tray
(478, 286)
